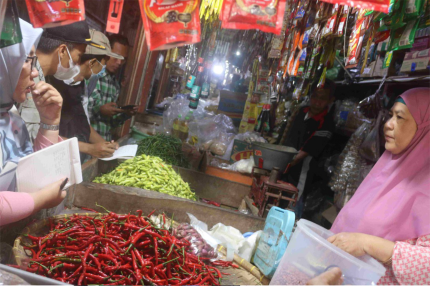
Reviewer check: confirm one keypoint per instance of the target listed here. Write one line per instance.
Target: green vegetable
(168, 148)
(150, 173)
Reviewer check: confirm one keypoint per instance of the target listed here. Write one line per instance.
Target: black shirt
(310, 135)
(74, 122)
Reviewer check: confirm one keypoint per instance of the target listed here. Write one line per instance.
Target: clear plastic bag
(199, 246)
(243, 166)
(370, 149)
(348, 174)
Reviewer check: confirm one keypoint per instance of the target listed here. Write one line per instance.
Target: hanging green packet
(413, 8)
(398, 17)
(404, 37)
(11, 31)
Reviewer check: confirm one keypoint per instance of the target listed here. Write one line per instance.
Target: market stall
(210, 194)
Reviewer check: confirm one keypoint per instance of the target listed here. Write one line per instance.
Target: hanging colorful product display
(48, 14)
(266, 16)
(170, 23)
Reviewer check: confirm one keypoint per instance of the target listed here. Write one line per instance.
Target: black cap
(77, 32)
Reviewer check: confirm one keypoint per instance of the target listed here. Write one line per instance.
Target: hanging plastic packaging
(377, 5)
(266, 16)
(48, 14)
(10, 34)
(114, 16)
(172, 24)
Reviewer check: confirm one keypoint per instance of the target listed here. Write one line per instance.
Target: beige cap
(100, 45)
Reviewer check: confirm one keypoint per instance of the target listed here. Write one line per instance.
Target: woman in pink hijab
(389, 215)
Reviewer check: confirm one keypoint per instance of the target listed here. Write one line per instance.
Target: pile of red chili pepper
(117, 250)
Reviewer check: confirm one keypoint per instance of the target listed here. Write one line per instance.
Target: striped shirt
(107, 90)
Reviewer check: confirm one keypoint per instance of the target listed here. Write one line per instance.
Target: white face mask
(66, 73)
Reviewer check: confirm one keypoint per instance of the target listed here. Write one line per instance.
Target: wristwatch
(49, 127)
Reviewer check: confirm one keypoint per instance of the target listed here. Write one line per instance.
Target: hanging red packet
(264, 15)
(376, 5)
(114, 16)
(48, 14)
(170, 23)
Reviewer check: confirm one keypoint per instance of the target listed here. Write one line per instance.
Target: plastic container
(267, 156)
(274, 240)
(31, 278)
(310, 254)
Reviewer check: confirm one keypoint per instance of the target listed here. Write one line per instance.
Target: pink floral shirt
(411, 263)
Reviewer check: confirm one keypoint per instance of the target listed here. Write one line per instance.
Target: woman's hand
(330, 277)
(48, 102)
(353, 243)
(49, 197)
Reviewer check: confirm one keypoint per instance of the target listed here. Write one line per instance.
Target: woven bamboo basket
(247, 274)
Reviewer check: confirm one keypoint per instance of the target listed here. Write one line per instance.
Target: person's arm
(48, 102)
(95, 137)
(330, 277)
(119, 119)
(15, 206)
(359, 244)
(409, 259)
(101, 149)
(41, 141)
(299, 157)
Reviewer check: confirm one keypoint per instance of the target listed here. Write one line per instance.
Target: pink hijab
(393, 201)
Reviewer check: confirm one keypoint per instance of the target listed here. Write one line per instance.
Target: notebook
(49, 165)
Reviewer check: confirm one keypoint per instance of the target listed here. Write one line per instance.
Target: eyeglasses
(33, 61)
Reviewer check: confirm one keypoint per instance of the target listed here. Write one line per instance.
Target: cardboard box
(378, 71)
(241, 150)
(416, 61)
(421, 44)
(368, 71)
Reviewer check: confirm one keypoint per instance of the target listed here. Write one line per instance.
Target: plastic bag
(198, 246)
(233, 240)
(266, 16)
(173, 25)
(347, 175)
(243, 166)
(370, 148)
(48, 14)
(371, 105)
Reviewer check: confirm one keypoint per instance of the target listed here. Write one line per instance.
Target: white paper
(124, 152)
(49, 165)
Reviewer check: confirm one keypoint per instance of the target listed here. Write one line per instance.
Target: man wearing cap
(310, 130)
(74, 120)
(59, 52)
(102, 106)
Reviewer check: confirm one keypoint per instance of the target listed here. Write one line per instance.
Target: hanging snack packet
(266, 16)
(355, 41)
(413, 8)
(377, 5)
(170, 25)
(343, 14)
(404, 38)
(48, 14)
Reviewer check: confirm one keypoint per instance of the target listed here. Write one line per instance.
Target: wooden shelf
(392, 79)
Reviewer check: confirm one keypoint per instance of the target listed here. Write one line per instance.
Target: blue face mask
(99, 75)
